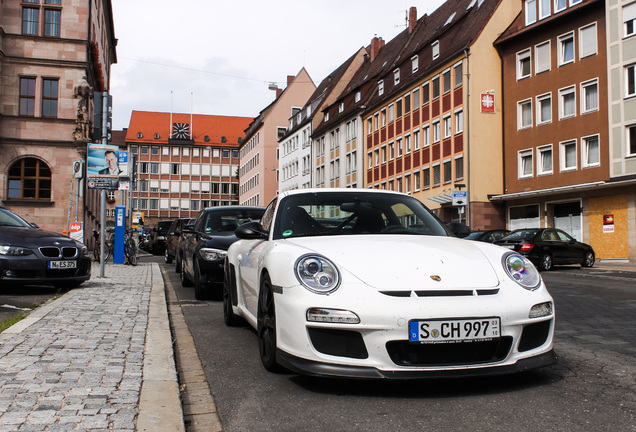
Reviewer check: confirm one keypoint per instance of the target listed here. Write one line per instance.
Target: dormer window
(414, 64)
(341, 107)
(326, 116)
(531, 11)
(298, 117)
(140, 135)
(380, 87)
(396, 77)
(358, 96)
(435, 49)
(450, 19)
(308, 111)
(156, 136)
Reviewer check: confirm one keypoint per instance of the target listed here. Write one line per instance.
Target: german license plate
(62, 264)
(448, 331)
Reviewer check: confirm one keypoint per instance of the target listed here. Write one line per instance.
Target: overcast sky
(219, 56)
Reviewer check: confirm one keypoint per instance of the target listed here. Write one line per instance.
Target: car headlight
(317, 274)
(15, 251)
(210, 254)
(521, 270)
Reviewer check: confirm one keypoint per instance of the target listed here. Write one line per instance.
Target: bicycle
(130, 249)
(108, 247)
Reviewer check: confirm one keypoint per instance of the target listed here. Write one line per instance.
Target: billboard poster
(102, 166)
(123, 164)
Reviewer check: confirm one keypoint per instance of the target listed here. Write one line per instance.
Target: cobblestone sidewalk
(80, 365)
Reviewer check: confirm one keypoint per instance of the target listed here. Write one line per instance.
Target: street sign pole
(102, 236)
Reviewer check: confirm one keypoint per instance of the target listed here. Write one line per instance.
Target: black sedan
(547, 247)
(488, 236)
(173, 239)
(31, 256)
(205, 244)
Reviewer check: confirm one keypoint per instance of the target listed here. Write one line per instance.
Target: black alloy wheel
(230, 318)
(266, 328)
(166, 257)
(185, 282)
(589, 259)
(177, 263)
(545, 263)
(201, 292)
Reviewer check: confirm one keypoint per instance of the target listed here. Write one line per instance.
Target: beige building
(258, 171)
(53, 55)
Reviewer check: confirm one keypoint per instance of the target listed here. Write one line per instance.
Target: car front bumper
(31, 269)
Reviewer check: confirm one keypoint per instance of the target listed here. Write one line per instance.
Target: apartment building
(295, 150)
(54, 54)
(258, 153)
(556, 143)
(621, 75)
(185, 162)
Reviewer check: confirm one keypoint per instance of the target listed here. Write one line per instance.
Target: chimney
(290, 78)
(412, 18)
(278, 92)
(376, 44)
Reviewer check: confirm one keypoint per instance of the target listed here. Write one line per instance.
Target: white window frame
(396, 76)
(541, 152)
(582, 53)
(562, 93)
(414, 64)
(630, 140)
(520, 106)
(542, 13)
(524, 57)
(585, 151)
(562, 43)
(530, 8)
(436, 131)
(584, 89)
(630, 80)
(563, 156)
(525, 160)
(448, 126)
(556, 6)
(435, 49)
(540, 100)
(380, 87)
(426, 135)
(629, 20)
(459, 120)
(416, 139)
(538, 67)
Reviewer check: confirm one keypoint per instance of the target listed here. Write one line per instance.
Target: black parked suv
(205, 244)
(173, 238)
(157, 242)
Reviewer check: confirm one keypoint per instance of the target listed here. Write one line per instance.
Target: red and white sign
(76, 231)
(487, 101)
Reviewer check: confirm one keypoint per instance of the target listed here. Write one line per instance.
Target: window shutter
(588, 41)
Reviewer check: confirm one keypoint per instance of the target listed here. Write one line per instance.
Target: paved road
(592, 387)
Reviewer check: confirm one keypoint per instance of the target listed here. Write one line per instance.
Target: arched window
(30, 179)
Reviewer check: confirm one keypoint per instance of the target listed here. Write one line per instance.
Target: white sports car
(370, 284)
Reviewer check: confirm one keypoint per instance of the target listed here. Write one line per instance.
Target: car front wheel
(589, 259)
(545, 263)
(166, 257)
(201, 292)
(266, 328)
(230, 318)
(185, 282)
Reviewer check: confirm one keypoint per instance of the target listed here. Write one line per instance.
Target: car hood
(32, 236)
(394, 262)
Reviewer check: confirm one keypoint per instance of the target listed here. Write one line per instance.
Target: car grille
(441, 293)
(56, 252)
(534, 335)
(341, 343)
(404, 353)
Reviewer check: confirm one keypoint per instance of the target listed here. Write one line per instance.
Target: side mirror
(251, 231)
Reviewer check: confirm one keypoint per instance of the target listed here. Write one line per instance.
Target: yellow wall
(609, 245)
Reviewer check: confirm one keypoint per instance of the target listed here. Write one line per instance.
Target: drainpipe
(468, 187)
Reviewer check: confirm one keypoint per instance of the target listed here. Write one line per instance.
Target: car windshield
(474, 235)
(228, 220)
(521, 235)
(350, 213)
(163, 226)
(11, 219)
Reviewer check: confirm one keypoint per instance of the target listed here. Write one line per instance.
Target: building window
(459, 74)
(459, 121)
(589, 96)
(407, 183)
(27, 96)
(459, 168)
(29, 179)
(542, 57)
(426, 95)
(52, 20)
(391, 113)
(407, 103)
(544, 164)
(525, 163)
(414, 64)
(448, 171)
(358, 96)
(531, 11)
(380, 88)
(391, 150)
(416, 99)
(568, 155)
(399, 147)
(630, 80)
(446, 75)
(436, 175)
(560, 5)
(436, 136)
(435, 82)
(426, 178)
(341, 107)
(435, 49)
(544, 9)
(631, 140)
(398, 108)
(524, 114)
(523, 64)
(447, 126)
(629, 19)
(544, 109)
(566, 49)
(416, 181)
(30, 21)
(416, 140)
(567, 102)
(587, 41)
(49, 97)
(396, 77)
(591, 156)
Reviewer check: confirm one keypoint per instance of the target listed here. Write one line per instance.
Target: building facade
(54, 54)
(184, 163)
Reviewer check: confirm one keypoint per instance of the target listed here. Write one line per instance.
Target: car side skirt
(308, 367)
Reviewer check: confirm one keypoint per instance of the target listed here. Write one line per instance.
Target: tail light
(526, 247)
